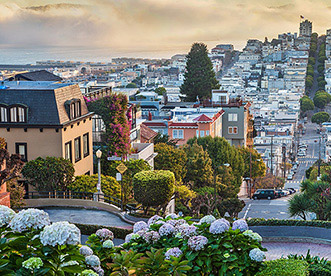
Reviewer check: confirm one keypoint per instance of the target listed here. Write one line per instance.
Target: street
(277, 208)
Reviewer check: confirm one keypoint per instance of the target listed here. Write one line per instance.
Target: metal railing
(60, 195)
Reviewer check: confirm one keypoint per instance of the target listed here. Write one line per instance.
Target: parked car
(289, 176)
(292, 189)
(278, 193)
(265, 194)
(301, 153)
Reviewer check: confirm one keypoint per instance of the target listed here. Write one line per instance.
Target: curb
(296, 240)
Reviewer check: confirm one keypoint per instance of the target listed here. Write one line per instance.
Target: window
(73, 108)
(232, 117)
(233, 130)
(77, 149)
(13, 114)
(202, 133)
(178, 134)
(67, 151)
(197, 134)
(3, 114)
(86, 146)
(207, 133)
(77, 109)
(21, 114)
(21, 149)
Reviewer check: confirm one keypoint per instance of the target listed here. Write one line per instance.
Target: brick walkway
(277, 250)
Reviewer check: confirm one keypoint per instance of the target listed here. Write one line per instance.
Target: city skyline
(164, 26)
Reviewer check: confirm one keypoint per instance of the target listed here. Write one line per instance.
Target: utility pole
(271, 155)
(250, 174)
(284, 159)
(319, 158)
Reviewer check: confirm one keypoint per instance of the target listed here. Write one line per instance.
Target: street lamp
(98, 155)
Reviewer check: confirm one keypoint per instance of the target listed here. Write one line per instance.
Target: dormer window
(13, 114)
(73, 108)
(3, 113)
(17, 113)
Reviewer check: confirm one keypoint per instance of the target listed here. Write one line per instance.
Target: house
(146, 134)
(41, 75)
(47, 119)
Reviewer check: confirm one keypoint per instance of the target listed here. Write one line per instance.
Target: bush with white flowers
(60, 233)
(209, 246)
(33, 263)
(256, 255)
(108, 244)
(140, 225)
(6, 215)
(29, 219)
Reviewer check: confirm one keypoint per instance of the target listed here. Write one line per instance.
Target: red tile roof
(147, 133)
(202, 118)
(154, 124)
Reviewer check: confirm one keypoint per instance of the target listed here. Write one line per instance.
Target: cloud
(152, 25)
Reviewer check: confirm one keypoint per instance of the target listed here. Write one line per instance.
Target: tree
(254, 165)
(232, 206)
(269, 181)
(115, 114)
(131, 85)
(10, 165)
(306, 104)
(88, 184)
(320, 101)
(172, 159)
(160, 91)
(320, 117)
(153, 188)
(17, 193)
(300, 205)
(199, 77)
(198, 166)
(164, 138)
(49, 174)
(134, 166)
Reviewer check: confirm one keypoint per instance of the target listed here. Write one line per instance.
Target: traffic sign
(114, 158)
(121, 168)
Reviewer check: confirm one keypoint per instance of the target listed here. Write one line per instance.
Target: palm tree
(300, 205)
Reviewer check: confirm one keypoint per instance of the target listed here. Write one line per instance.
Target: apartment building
(43, 118)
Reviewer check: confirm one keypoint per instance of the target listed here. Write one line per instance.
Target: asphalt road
(277, 208)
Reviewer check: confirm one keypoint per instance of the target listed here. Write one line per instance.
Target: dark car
(265, 194)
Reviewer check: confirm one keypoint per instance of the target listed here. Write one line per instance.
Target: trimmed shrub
(87, 229)
(153, 188)
(284, 267)
(88, 184)
(288, 222)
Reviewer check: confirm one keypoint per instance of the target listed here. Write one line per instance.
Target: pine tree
(199, 76)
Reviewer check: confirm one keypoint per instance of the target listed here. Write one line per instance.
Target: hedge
(288, 222)
(87, 229)
(284, 267)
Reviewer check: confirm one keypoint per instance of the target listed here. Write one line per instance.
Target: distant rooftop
(33, 85)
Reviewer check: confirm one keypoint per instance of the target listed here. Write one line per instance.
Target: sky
(152, 25)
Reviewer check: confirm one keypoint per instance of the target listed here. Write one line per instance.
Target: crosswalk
(306, 161)
(293, 181)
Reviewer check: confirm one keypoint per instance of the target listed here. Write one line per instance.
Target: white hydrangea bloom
(69, 263)
(85, 250)
(160, 222)
(172, 216)
(176, 222)
(186, 230)
(218, 227)
(33, 263)
(175, 252)
(105, 234)
(151, 236)
(6, 215)
(29, 218)
(60, 233)
(166, 229)
(225, 221)
(197, 243)
(92, 260)
(140, 225)
(89, 272)
(108, 244)
(99, 270)
(256, 255)
(253, 235)
(153, 219)
(207, 219)
(240, 224)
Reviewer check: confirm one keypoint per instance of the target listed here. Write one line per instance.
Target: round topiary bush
(153, 188)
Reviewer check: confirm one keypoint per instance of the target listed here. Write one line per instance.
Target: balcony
(143, 151)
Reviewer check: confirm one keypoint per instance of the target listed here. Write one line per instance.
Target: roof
(182, 125)
(41, 75)
(154, 124)
(147, 133)
(202, 119)
(45, 101)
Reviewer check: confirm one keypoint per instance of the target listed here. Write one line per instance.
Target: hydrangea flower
(89, 272)
(186, 230)
(225, 221)
(130, 237)
(6, 215)
(92, 260)
(151, 236)
(253, 235)
(153, 219)
(172, 216)
(197, 243)
(176, 222)
(69, 263)
(33, 263)
(99, 270)
(60, 233)
(256, 255)
(85, 250)
(207, 219)
(160, 222)
(218, 227)
(175, 252)
(105, 234)
(166, 229)
(240, 224)
(140, 225)
(29, 218)
(108, 244)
